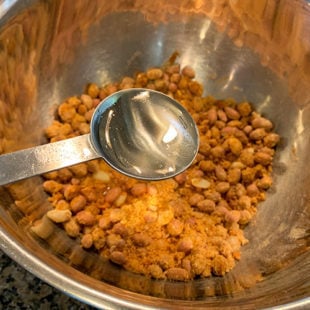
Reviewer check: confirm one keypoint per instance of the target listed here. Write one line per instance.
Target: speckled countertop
(19, 289)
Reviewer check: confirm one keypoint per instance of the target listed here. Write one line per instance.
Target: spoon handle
(45, 158)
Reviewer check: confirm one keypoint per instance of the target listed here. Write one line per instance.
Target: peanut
(85, 218)
(59, 216)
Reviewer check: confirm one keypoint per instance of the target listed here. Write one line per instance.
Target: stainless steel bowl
(253, 50)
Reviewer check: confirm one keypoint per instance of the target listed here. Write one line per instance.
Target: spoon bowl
(144, 134)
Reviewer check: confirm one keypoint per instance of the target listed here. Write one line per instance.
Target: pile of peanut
(182, 228)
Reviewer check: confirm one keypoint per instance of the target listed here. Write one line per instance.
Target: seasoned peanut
(87, 241)
(92, 90)
(189, 72)
(222, 187)
(265, 182)
(232, 216)
(59, 216)
(165, 217)
(262, 158)
(43, 227)
(245, 202)
(181, 178)
(234, 175)
(235, 146)
(258, 134)
(175, 227)
(154, 73)
(113, 194)
(118, 257)
(78, 203)
(156, 272)
(141, 239)
(72, 228)
(271, 139)
(212, 116)
(222, 115)
(195, 199)
(139, 189)
(244, 108)
(71, 191)
(252, 190)
(232, 113)
(206, 165)
(200, 183)
(102, 176)
(121, 199)
(87, 101)
(218, 151)
(66, 112)
(120, 229)
(206, 205)
(178, 274)
(85, 218)
(52, 186)
(114, 241)
(261, 122)
(185, 245)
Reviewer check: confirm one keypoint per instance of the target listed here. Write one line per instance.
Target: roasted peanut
(185, 245)
(78, 203)
(235, 146)
(206, 205)
(258, 134)
(71, 191)
(262, 158)
(261, 122)
(118, 257)
(72, 228)
(175, 227)
(234, 175)
(206, 165)
(222, 187)
(87, 241)
(112, 194)
(271, 139)
(178, 274)
(141, 239)
(212, 116)
(195, 198)
(59, 216)
(188, 71)
(154, 73)
(232, 113)
(139, 189)
(66, 112)
(43, 227)
(244, 108)
(92, 90)
(85, 218)
(200, 183)
(52, 186)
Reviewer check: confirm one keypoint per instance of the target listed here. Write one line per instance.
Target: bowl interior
(50, 50)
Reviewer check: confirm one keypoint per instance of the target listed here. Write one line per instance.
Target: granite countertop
(19, 289)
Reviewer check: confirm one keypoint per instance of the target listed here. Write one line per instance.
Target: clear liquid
(146, 137)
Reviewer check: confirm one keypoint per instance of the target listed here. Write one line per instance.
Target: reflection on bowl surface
(51, 49)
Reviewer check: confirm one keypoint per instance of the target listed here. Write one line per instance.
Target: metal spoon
(141, 133)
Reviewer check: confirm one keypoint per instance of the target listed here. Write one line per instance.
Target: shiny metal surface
(37, 160)
(144, 134)
(249, 50)
(141, 133)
